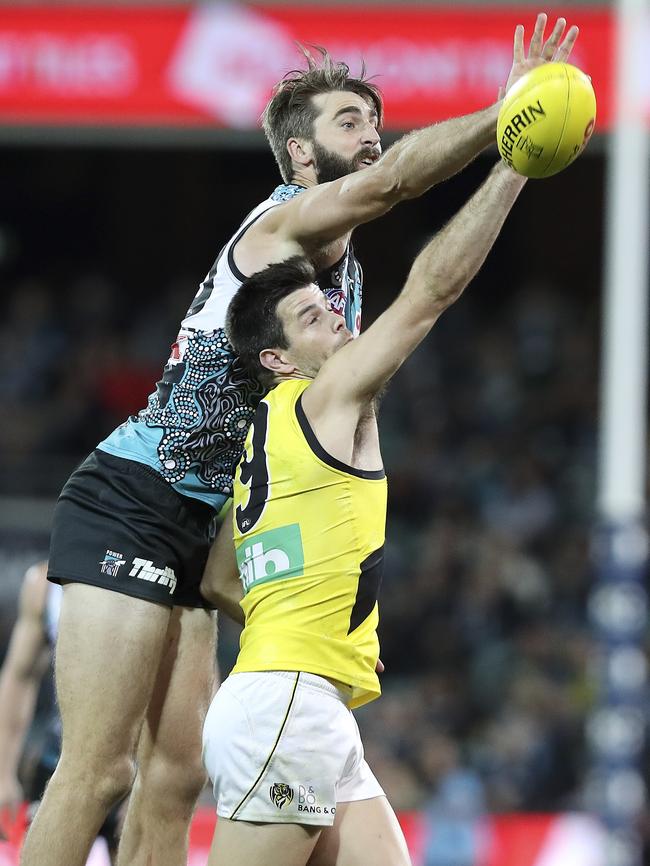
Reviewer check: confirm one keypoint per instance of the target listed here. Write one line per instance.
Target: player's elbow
(395, 187)
(222, 595)
(228, 603)
(383, 188)
(209, 590)
(447, 291)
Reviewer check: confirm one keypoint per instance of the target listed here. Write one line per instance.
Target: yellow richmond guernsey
(309, 534)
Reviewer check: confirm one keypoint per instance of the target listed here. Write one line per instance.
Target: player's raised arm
(438, 277)
(409, 168)
(372, 186)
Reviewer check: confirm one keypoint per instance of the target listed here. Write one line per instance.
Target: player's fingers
(549, 49)
(564, 51)
(537, 39)
(518, 51)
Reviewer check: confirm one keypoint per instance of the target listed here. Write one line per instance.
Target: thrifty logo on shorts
(144, 569)
(272, 555)
(111, 563)
(280, 794)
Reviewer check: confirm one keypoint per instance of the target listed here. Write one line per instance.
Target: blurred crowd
(76, 361)
(489, 443)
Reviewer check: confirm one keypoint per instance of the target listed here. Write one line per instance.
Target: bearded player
(134, 524)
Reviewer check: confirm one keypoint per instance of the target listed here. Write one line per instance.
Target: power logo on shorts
(272, 555)
(144, 569)
(111, 563)
(280, 794)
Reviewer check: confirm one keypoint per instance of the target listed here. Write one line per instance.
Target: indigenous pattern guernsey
(194, 427)
(309, 535)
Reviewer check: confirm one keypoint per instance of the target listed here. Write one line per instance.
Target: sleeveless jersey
(194, 427)
(309, 536)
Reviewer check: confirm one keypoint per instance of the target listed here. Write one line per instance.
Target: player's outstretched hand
(554, 49)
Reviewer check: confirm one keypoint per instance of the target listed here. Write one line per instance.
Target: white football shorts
(283, 747)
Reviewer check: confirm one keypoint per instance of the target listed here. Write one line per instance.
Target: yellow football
(546, 120)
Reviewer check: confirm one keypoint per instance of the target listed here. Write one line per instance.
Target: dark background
(489, 434)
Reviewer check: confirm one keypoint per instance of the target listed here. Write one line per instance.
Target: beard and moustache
(331, 166)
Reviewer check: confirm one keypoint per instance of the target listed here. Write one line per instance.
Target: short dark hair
(252, 322)
(291, 111)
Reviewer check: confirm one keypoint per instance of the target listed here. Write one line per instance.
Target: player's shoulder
(286, 192)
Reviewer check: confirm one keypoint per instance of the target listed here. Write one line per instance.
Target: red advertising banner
(568, 839)
(214, 65)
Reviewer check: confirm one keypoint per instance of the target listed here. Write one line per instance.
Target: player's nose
(370, 136)
(338, 322)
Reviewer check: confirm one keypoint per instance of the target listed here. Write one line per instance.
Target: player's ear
(300, 150)
(275, 361)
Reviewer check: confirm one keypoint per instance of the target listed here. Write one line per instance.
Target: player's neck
(297, 374)
(304, 177)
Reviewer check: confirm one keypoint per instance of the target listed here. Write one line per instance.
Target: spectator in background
(27, 661)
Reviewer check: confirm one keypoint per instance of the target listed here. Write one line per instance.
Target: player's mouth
(368, 158)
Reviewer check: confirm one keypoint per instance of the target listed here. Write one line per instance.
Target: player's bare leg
(109, 645)
(170, 771)
(364, 833)
(262, 844)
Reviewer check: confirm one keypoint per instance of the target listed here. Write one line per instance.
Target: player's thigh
(364, 833)
(262, 844)
(185, 683)
(108, 651)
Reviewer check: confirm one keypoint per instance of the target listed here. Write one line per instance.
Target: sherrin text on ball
(546, 120)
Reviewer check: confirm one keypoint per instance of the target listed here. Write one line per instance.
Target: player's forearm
(17, 701)
(428, 156)
(454, 256)
(220, 584)
(229, 604)
(225, 595)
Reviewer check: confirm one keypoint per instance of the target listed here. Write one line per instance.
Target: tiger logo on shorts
(280, 794)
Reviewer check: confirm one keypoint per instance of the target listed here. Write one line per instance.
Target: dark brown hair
(291, 111)
(252, 321)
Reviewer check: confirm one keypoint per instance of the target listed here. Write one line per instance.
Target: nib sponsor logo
(273, 555)
(144, 569)
(227, 61)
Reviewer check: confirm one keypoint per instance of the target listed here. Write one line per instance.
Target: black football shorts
(119, 525)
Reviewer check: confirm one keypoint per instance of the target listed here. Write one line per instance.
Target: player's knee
(115, 782)
(104, 784)
(173, 783)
